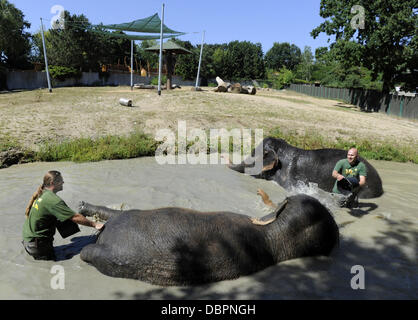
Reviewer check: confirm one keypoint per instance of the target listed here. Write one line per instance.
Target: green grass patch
(7, 142)
(108, 147)
(369, 149)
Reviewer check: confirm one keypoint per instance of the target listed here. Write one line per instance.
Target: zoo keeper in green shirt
(353, 169)
(44, 211)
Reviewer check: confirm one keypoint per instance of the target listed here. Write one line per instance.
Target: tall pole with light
(200, 60)
(161, 51)
(46, 59)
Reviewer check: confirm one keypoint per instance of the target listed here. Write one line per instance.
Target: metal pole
(161, 52)
(200, 60)
(132, 65)
(46, 60)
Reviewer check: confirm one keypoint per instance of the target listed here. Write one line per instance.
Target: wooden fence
(398, 104)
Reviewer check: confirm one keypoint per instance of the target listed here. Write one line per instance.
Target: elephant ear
(275, 214)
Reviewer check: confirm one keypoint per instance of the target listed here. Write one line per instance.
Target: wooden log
(250, 89)
(143, 86)
(222, 85)
(220, 82)
(221, 89)
(236, 88)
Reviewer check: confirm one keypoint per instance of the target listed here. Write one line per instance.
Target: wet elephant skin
(177, 246)
(287, 165)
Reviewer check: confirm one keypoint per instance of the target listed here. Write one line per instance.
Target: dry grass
(33, 117)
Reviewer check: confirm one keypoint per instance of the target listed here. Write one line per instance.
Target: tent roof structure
(140, 36)
(151, 24)
(170, 46)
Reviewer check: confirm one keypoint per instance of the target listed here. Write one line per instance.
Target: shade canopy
(152, 24)
(169, 46)
(141, 37)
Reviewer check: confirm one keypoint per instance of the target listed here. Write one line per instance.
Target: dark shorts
(40, 249)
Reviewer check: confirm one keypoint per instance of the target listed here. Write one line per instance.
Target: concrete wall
(26, 80)
(37, 79)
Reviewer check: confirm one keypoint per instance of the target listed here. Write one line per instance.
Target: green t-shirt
(43, 216)
(347, 170)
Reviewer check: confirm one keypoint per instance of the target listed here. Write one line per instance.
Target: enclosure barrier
(18, 80)
(397, 104)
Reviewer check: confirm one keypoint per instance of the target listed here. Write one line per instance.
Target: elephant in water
(287, 165)
(177, 246)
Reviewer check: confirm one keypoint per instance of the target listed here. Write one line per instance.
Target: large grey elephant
(177, 246)
(287, 165)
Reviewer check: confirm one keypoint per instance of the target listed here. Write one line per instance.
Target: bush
(154, 81)
(282, 78)
(61, 73)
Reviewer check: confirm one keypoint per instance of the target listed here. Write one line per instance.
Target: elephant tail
(103, 213)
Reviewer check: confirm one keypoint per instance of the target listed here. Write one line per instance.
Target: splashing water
(329, 200)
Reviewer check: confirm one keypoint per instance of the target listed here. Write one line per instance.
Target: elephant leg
(266, 198)
(104, 213)
(105, 260)
(95, 254)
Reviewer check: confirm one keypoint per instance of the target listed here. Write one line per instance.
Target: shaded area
(363, 209)
(67, 251)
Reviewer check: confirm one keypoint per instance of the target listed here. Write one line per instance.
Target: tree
(384, 43)
(331, 72)
(148, 60)
(81, 46)
(186, 64)
(282, 55)
(244, 60)
(236, 60)
(14, 41)
(305, 68)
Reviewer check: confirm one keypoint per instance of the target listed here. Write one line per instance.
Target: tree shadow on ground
(67, 251)
(388, 258)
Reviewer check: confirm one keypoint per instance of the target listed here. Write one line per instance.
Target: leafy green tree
(147, 59)
(244, 60)
(385, 43)
(233, 61)
(305, 68)
(329, 71)
(14, 41)
(186, 64)
(283, 55)
(81, 46)
(66, 46)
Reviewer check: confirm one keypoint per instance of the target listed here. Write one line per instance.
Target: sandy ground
(33, 117)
